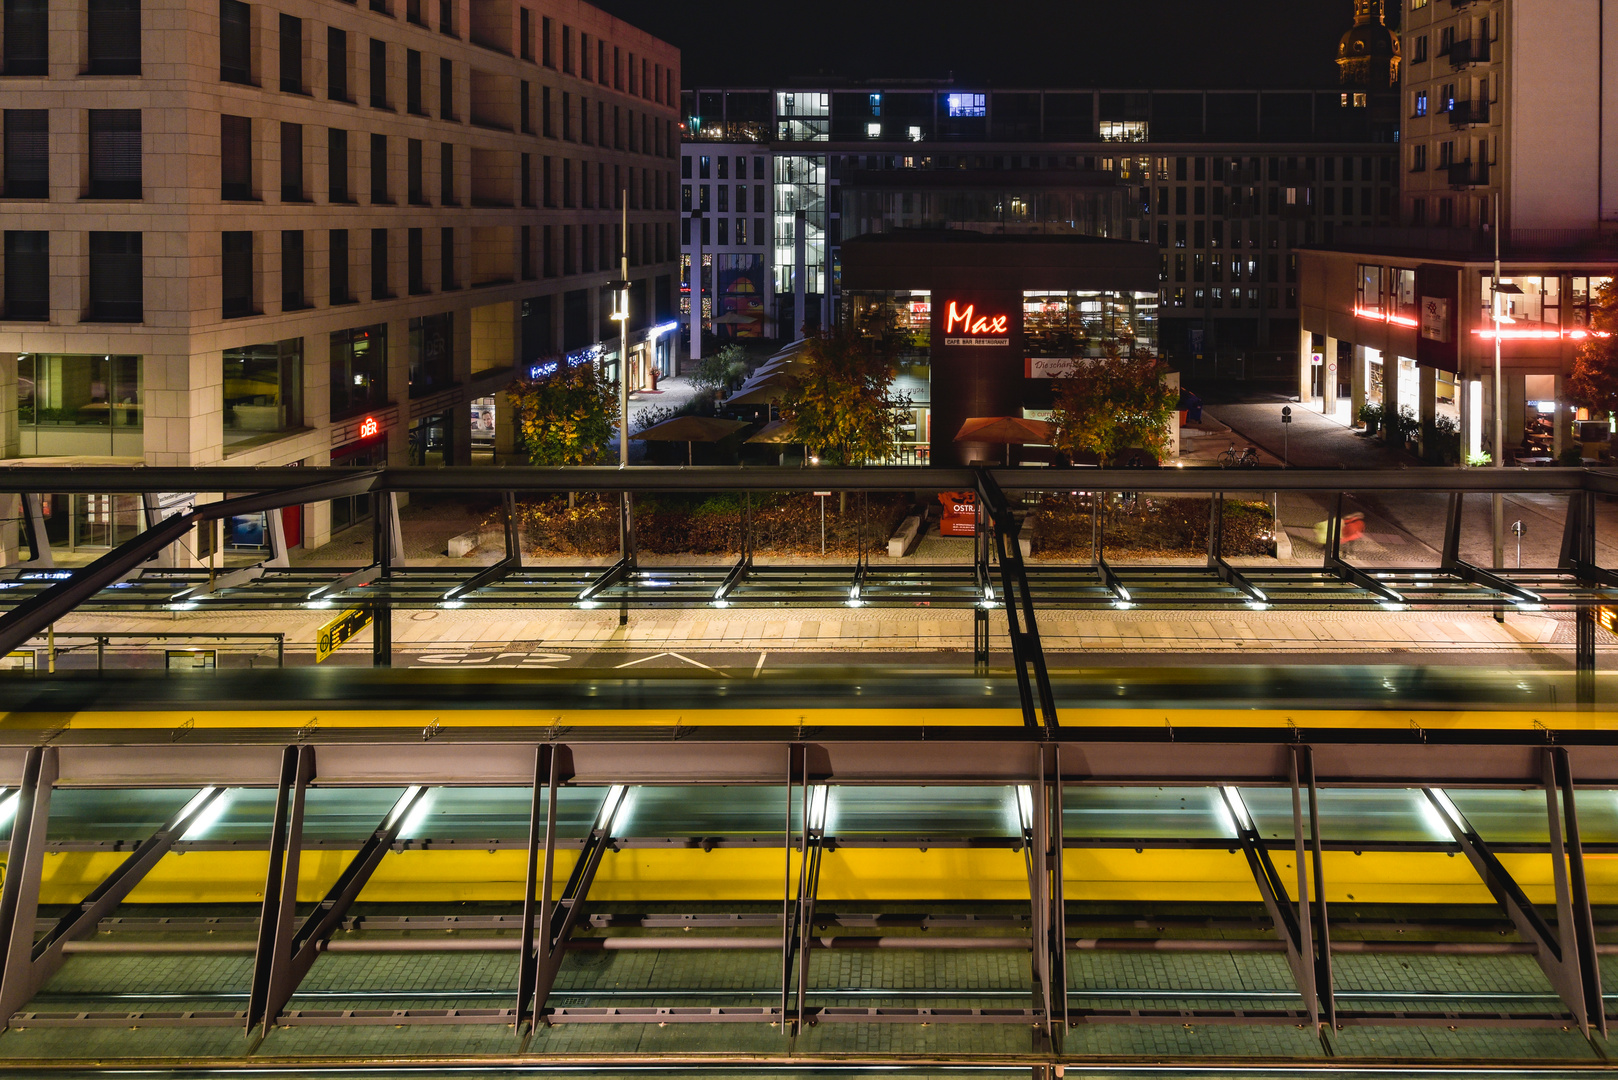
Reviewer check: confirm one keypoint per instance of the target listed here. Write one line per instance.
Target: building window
(337, 166)
(339, 267)
(291, 55)
(1370, 293)
(337, 64)
(1419, 52)
(546, 55)
(446, 18)
(1421, 103)
(379, 265)
(263, 390)
(237, 274)
(446, 260)
(114, 153)
(27, 151)
(432, 358)
(413, 103)
(26, 37)
(235, 42)
(379, 74)
(379, 170)
(292, 294)
(292, 163)
(28, 276)
(446, 174)
(78, 404)
(415, 271)
(116, 277)
(1418, 158)
(446, 90)
(359, 370)
(525, 112)
(414, 191)
(114, 32)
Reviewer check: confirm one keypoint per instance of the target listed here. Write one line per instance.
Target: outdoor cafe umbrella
(757, 391)
(780, 433)
(689, 430)
(1005, 429)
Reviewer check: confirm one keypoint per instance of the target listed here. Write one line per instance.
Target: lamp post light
(1499, 318)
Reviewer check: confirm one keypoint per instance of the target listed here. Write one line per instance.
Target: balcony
(1474, 51)
(1463, 174)
(1469, 113)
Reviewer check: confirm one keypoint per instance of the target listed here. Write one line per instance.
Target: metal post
(1497, 501)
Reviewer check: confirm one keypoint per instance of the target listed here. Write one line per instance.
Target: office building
(1226, 185)
(314, 232)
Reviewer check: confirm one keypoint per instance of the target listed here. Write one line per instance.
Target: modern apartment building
(1501, 100)
(1227, 185)
(1510, 98)
(309, 232)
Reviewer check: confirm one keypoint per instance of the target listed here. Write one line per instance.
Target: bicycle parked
(1247, 459)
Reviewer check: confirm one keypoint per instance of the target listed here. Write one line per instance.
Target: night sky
(1081, 43)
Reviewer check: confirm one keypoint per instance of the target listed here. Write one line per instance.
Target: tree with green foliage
(844, 408)
(1112, 403)
(1593, 384)
(720, 370)
(567, 414)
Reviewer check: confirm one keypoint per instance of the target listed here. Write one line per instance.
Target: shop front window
(1370, 290)
(263, 390)
(483, 431)
(1539, 301)
(70, 405)
(430, 440)
(1065, 324)
(359, 370)
(432, 359)
(1587, 292)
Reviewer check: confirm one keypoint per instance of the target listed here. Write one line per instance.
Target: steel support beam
(552, 769)
(1575, 923)
(1028, 655)
(285, 956)
(19, 896)
(1291, 923)
(1314, 915)
(1558, 951)
(509, 564)
(615, 573)
(1579, 556)
(798, 899)
(39, 611)
(24, 975)
(559, 918)
(1049, 903)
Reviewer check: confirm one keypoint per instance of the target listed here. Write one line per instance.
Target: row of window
(114, 167)
(112, 38)
(1204, 268)
(1246, 201)
(1215, 298)
(1221, 170)
(717, 232)
(115, 292)
(491, 93)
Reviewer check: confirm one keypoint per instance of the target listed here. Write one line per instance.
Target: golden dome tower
(1368, 55)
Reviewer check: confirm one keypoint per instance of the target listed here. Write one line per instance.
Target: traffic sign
(1286, 414)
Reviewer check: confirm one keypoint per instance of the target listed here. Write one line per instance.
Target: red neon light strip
(1397, 320)
(1541, 335)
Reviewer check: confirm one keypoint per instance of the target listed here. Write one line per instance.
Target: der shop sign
(966, 326)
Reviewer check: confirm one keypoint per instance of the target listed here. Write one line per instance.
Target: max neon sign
(974, 329)
(369, 427)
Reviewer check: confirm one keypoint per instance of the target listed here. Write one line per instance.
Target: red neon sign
(968, 322)
(369, 427)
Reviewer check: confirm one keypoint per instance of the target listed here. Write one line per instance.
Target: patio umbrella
(776, 432)
(761, 391)
(689, 430)
(1004, 429)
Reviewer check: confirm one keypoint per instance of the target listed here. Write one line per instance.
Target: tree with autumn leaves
(844, 408)
(566, 416)
(1593, 384)
(1112, 403)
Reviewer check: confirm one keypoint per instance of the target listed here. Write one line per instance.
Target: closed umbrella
(689, 430)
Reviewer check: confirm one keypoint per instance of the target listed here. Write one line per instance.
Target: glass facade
(69, 405)
(263, 390)
(1100, 211)
(800, 184)
(432, 357)
(1075, 324)
(359, 370)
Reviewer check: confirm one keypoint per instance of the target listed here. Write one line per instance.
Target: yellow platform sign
(341, 630)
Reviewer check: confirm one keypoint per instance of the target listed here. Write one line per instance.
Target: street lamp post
(620, 314)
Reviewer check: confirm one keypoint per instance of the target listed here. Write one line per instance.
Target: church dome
(1368, 41)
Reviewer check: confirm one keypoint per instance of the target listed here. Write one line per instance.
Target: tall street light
(1499, 318)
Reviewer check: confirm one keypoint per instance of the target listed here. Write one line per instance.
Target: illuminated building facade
(1225, 185)
(311, 232)
(984, 324)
